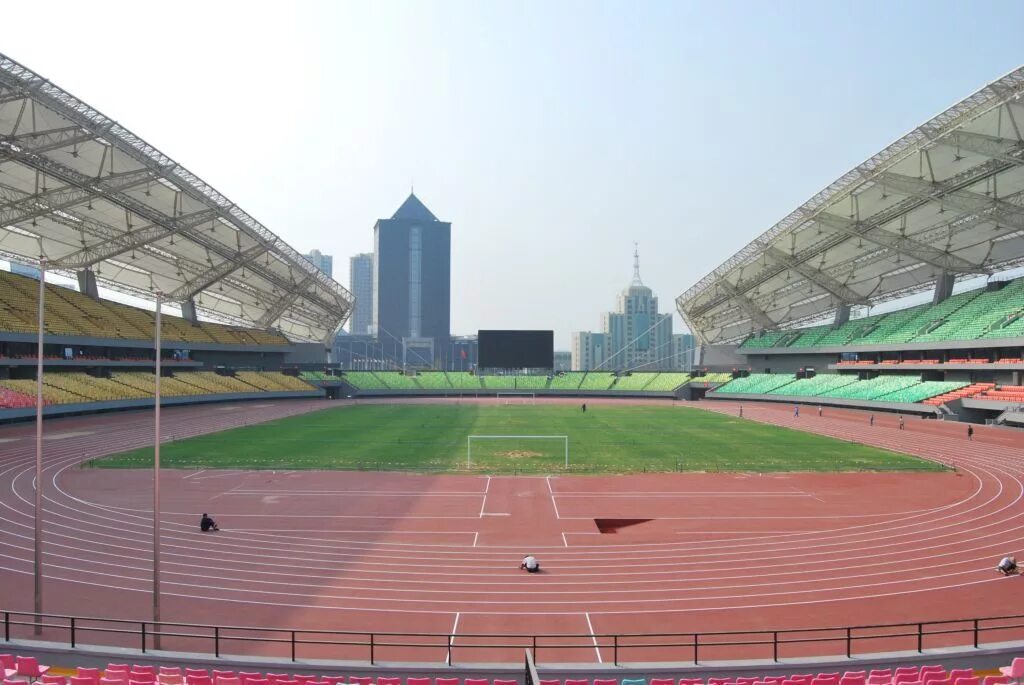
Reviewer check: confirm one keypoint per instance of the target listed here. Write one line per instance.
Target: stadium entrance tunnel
(612, 526)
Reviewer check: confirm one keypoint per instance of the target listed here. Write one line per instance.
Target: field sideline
(605, 439)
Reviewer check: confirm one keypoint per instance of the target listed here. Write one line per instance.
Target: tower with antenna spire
(634, 337)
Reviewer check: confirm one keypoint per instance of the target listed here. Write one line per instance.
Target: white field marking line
(483, 504)
(553, 502)
(476, 536)
(680, 493)
(564, 541)
(499, 513)
(226, 492)
(365, 493)
(684, 495)
(196, 473)
(74, 498)
(809, 494)
(594, 638)
(455, 627)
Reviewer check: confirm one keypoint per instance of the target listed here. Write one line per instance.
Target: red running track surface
(367, 551)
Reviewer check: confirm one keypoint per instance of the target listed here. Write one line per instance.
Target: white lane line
(194, 474)
(483, 504)
(594, 638)
(476, 536)
(451, 642)
(553, 502)
(564, 541)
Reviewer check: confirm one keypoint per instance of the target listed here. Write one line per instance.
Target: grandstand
(802, 296)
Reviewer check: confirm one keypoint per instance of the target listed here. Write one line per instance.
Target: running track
(439, 554)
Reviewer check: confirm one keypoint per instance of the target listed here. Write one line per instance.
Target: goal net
(517, 397)
(504, 447)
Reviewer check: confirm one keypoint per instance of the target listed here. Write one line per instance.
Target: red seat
(446, 681)
(8, 661)
(577, 682)
(75, 680)
(116, 678)
(144, 668)
(477, 681)
(198, 672)
(996, 680)
(417, 681)
(389, 681)
(223, 674)
(505, 682)
(170, 670)
(29, 666)
(663, 681)
(85, 672)
(605, 681)
(551, 682)
(53, 680)
(355, 680)
(199, 680)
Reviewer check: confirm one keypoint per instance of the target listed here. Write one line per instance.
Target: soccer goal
(518, 445)
(517, 397)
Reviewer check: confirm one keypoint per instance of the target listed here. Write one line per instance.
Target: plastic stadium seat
(8, 661)
(88, 672)
(306, 678)
(417, 681)
(53, 680)
(477, 681)
(506, 682)
(228, 680)
(142, 677)
(973, 680)
(75, 680)
(746, 681)
(956, 674)
(1015, 671)
(856, 674)
(144, 668)
(446, 681)
(355, 680)
(550, 682)
(634, 681)
(663, 681)
(13, 682)
(201, 672)
(853, 680)
(170, 679)
(389, 681)
(117, 678)
(29, 666)
(576, 682)
(606, 681)
(880, 673)
(199, 680)
(996, 680)
(246, 676)
(170, 670)
(720, 681)
(217, 675)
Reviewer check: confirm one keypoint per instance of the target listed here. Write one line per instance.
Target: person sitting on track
(206, 524)
(530, 564)
(1007, 566)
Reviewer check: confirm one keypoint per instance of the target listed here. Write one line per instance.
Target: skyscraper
(635, 335)
(323, 262)
(412, 283)
(360, 281)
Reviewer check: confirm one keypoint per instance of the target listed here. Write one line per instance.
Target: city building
(412, 284)
(360, 280)
(684, 349)
(635, 337)
(323, 262)
(563, 360)
(587, 350)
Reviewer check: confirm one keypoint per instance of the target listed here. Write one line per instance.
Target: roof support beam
(283, 303)
(203, 280)
(819, 278)
(901, 244)
(747, 305)
(53, 139)
(997, 211)
(988, 146)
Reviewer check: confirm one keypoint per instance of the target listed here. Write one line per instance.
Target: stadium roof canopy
(947, 198)
(84, 192)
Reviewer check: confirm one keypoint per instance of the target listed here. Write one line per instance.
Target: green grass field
(433, 438)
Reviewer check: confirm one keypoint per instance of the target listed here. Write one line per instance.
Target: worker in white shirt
(530, 564)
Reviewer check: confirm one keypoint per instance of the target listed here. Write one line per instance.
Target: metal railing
(620, 648)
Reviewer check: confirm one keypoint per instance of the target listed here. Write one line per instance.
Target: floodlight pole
(156, 481)
(38, 512)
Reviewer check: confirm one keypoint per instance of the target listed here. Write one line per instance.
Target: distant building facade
(587, 350)
(412, 284)
(684, 350)
(635, 337)
(563, 360)
(360, 281)
(323, 262)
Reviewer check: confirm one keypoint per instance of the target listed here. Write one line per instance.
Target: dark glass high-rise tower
(412, 283)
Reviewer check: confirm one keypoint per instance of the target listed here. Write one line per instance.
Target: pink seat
(973, 680)
(576, 682)
(132, 681)
(75, 680)
(956, 674)
(996, 680)
(663, 681)
(190, 672)
(746, 681)
(1015, 671)
(505, 682)
(275, 677)
(446, 681)
(54, 679)
(170, 679)
(881, 673)
(142, 676)
(223, 674)
(477, 681)
(198, 680)
(117, 679)
(906, 677)
(853, 680)
(144, 668)
(605, 681)
(170, 670)
(227, 680)
(879, 679)
(946, 681)
(932, 674)
(554, 682)
(355, 680)
(417, 681)
(389, 681)
(695, 681)
(306, 678)
(85, 672)
(720, 681)
(8, 661)
(907, 669)
(13, 682)
(29, 666)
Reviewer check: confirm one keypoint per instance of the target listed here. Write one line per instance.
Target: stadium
(692, 527)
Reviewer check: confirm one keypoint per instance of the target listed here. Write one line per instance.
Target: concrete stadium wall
(902, 407)
(118, 405)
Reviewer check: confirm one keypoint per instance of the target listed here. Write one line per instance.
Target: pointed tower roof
(413, 209)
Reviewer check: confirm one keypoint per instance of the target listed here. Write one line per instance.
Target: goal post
(564, 439)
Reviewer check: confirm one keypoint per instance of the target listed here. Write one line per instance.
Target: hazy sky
(551, 134)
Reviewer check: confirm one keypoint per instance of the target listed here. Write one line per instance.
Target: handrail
(694, 644)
